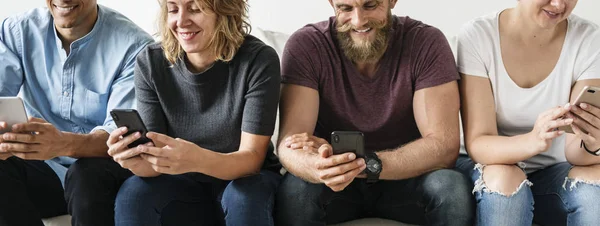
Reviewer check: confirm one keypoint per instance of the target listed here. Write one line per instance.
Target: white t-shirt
(478, 54)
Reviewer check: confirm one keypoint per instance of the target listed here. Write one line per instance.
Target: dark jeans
(29, 191)
(91, 187)
(187, 200)
(442, 197)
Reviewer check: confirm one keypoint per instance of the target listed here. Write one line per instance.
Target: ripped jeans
(558, 199)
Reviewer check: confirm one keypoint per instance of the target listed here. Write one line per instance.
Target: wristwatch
(582, 145)
(374, 167)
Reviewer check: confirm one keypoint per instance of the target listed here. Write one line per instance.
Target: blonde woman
(209, 94)
(521, 66)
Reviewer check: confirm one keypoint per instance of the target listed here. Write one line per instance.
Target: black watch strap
(373, 176)
(596, 152)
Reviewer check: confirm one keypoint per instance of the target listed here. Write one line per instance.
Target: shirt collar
(86, 37)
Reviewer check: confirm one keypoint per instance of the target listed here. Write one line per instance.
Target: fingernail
(561, 132)
(569, 120)
(288, 138)
(294, 146)
(351, 156)
(567, 105)
(362, 162)
(287, 143)
(138, 134)
(583, 105)
(123, 129)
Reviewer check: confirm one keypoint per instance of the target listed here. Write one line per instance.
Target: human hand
(178, 156)
(128, 158)
(35, 140)
(304, 141)
(586, 124)
(546, 127)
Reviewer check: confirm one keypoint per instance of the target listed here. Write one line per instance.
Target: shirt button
(66, 94)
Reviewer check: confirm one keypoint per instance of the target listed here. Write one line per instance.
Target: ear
(393, 3)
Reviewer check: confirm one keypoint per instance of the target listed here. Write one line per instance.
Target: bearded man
(393, 79)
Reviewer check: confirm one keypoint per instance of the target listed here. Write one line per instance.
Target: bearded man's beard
(365, 50)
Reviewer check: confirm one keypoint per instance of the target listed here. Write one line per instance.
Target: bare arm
(436, 114)
(244, 162)
(482, 141)
(87, 145)
(297, 118)
(575, 154)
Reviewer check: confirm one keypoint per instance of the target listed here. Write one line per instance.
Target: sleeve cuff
(107, 128)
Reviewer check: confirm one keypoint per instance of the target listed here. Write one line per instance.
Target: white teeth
(187, 34)
(363, 31)
(65, 9)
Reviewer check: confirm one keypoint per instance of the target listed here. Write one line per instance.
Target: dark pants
(442, 197)
(91, 187)
(29, 191)
(186, 200)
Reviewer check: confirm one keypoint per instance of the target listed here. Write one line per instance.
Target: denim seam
(575, 181)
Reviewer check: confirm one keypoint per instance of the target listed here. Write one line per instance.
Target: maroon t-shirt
(418, 57)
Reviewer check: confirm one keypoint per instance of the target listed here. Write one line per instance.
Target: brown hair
(231, 29)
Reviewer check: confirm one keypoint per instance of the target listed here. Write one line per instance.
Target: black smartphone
(131, 119)
(348, 141)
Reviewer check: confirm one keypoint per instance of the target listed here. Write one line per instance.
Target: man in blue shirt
(72, 63)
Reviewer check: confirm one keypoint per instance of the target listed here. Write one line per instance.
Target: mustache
(370, 24)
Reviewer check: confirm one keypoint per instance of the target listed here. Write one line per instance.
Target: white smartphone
(12, 111)
(589, 95)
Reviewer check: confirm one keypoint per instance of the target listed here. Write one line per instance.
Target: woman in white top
(520, 68)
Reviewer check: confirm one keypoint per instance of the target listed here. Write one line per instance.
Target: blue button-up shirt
(74, 92)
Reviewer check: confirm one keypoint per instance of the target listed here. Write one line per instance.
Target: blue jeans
(185, 200)
(558, 200)
(440, 197)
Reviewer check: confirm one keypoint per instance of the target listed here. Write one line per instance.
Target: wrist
(536, 146)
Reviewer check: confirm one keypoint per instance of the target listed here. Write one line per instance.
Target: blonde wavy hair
(231, 29)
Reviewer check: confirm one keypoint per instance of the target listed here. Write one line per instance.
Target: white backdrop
(289, 15)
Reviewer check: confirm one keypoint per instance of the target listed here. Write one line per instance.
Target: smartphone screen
(131, 119)
(348, 141)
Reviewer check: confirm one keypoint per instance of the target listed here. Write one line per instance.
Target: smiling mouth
(65, 9)
(552, 14)
(363, 30)
(188, 35)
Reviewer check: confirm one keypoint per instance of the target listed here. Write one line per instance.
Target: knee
(135, 191)
(293, 189)
(255, 189)
(448, 187)
(585, 173)
(86, 170)
(504, 179)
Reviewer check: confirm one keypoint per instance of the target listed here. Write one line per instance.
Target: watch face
(373, 165)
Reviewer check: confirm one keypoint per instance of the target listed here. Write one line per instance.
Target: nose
(358, 18)
(558, 4)
(183, 18)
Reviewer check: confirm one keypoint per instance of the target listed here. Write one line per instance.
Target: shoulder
(584, 31)
(312, 34)
(253, 49)
(480, 29)
(35, 19)
(418, 36)
(150, 56)
(117, 25)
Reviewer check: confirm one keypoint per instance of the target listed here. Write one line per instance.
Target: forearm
(578, 156)
(296, 161)
(490, 150)
(230, 166)
(419, 157)
(86, 145)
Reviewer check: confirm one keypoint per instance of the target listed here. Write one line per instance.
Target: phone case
(131, 119)
(348, 141)
(589, 95)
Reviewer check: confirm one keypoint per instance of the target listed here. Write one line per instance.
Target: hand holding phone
(348, 141)
(589, 95)
(12, 111)
(131, 119)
